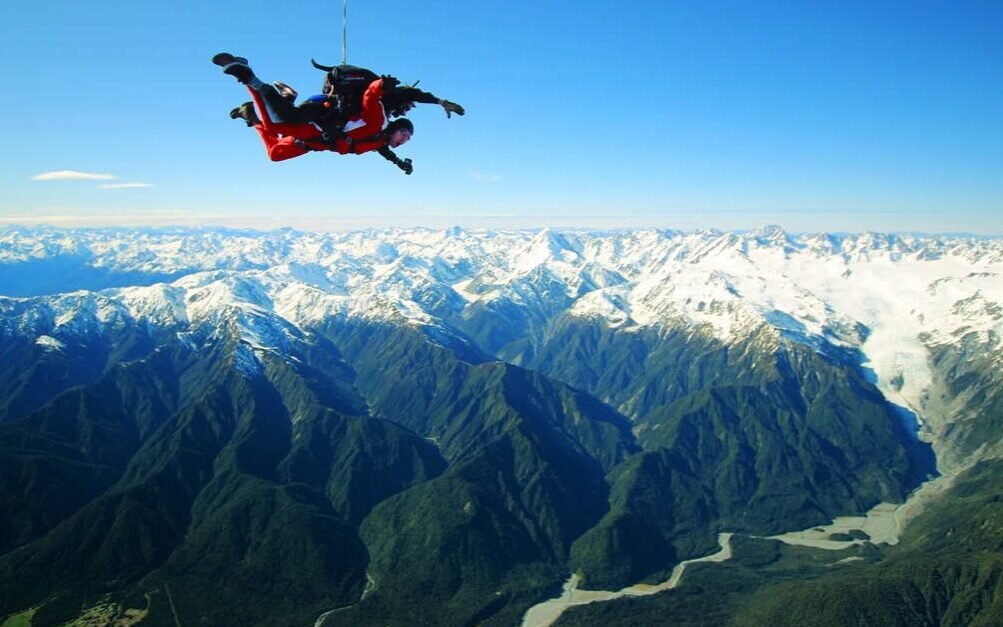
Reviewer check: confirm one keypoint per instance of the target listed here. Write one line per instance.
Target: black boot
(239, 71)
(245, 112)
(224, 59)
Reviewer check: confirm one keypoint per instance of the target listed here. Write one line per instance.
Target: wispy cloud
(70, 216)
(484, 178)
(124, 185)
(71, 175)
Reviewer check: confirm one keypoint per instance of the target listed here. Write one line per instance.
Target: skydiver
(366, 132)
(342, 96)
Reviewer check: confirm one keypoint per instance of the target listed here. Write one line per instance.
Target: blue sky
(839, 116)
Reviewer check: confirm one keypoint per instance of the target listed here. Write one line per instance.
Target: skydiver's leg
(281, 109)
(314, 109)
(276, 103)
(320, 110)
(279, 148)
(263, 112)
(271, 103)
(297, 130)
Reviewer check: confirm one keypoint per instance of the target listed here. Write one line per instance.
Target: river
(548, 612)
(883, 524)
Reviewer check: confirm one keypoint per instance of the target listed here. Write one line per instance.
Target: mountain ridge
(515, 405)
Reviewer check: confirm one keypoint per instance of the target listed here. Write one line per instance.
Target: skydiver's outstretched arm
(392, 158)
(405, 95)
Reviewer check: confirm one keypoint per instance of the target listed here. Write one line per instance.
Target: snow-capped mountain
(885, 302)
(889, 296)
(328, 413)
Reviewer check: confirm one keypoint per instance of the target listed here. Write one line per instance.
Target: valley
(305, 414)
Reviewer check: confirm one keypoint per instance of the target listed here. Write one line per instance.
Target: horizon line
(239, 224)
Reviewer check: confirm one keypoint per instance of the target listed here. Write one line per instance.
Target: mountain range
(407, 427)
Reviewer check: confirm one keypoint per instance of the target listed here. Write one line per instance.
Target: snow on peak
(611, 305)
(546, 246)
(889, 296)
(246, 361)
(159, 305)
(771, 235)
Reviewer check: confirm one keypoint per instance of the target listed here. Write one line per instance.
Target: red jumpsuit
(285, 141)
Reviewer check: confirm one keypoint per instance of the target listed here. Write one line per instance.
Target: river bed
(883, 524)
(546, 613)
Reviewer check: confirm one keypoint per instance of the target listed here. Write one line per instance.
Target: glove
(389, 82)
(406, 166)
(451, 108)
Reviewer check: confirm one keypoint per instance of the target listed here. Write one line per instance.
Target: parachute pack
(347, 83)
